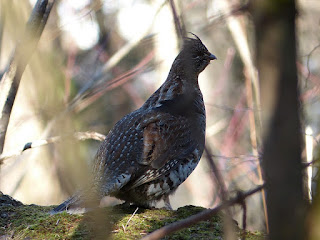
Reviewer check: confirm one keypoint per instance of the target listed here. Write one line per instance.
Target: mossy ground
(34, 222)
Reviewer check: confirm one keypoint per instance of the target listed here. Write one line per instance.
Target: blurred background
(98, 60)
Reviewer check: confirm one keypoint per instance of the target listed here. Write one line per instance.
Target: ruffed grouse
(152, 150)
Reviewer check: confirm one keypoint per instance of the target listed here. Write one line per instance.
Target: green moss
(253, 235)
(34, 222)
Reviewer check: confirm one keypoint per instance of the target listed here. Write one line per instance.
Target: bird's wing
(165, 137)
(153, 174)
(166, 140)
(145, 142)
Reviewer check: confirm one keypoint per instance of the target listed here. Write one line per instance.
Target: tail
(71, 203)
(78, 203)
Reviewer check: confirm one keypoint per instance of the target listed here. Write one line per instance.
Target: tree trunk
(276, 61)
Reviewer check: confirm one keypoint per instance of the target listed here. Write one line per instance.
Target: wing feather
(156, 140)
(166, 140)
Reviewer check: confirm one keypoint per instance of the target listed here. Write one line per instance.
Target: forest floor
(19, 221)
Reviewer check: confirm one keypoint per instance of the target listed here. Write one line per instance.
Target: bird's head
(194, 55)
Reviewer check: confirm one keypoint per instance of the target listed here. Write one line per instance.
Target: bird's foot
(167, 204)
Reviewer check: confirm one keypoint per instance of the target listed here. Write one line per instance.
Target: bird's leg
(167, 204)
(126, 204)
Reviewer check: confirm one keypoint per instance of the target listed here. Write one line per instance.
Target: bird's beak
(212, 57)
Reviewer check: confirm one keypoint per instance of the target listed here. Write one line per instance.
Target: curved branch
(38, 143)
(202, 216)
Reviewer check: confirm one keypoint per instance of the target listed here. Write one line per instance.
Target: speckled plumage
(152, 150)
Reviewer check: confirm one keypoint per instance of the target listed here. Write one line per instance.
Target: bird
(152, 150)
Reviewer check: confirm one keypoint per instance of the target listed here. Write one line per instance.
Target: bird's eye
(196, 55)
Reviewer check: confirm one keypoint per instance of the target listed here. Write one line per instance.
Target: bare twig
(232, 109)
(252, 124)
(101, 89)
(240, 37)
(253, 94)
(202, 216)
(244, 219)
(82, 100)
(177, 21)
(24, 49)
(38, 143)
(240, 157)
(223, 191)
(308, 164)
(236, 161)
(303, 70)
(135, 211)
(217, 174)
(254, 140)
(215, 128)
(233, 11)
(114, 60)
(308, 63)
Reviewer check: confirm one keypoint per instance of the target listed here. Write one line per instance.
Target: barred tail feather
(71, 203)
(78, 203)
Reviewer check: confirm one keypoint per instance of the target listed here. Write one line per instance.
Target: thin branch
(239, 35)
(177, 20)
(38, 143)
(125, 227)
(308, 164)
(223, 192)
(244, 219)
(249, 157)
(102, 88)
(254, 138)
(308, 63)
(24, 49)
(231, 109)
(202, 216)
(217, 174)
(100, 76)
(115, 59)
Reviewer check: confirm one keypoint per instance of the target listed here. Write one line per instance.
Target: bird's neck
(179, 82)
(184, 70)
